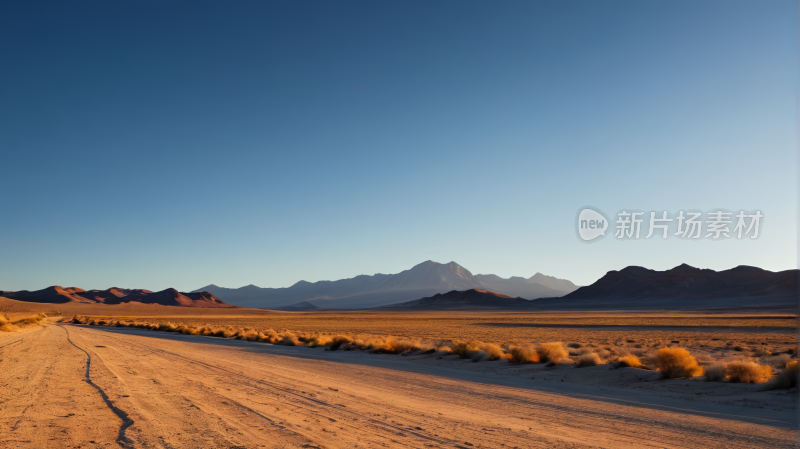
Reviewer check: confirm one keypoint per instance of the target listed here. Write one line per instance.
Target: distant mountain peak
(684, 268)
(421, 280)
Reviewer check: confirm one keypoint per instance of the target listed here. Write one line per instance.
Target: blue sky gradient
(177, 144)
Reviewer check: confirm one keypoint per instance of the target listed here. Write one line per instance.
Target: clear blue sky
(176, 144)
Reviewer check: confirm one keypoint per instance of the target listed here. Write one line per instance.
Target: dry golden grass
(677, 363)
(629, 360)
(588, 359)
(748, 372)
(7, 325)
(552, 352)
(523, 354)
(435, 332)
(405, 332)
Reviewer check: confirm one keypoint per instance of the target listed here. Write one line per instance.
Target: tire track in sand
(123, 440)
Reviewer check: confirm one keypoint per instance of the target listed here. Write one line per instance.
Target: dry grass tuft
(748, 372)
(491, 352)
(523, 354)
(629, 360)
(7, 325)
(676, 363)
(588, 359)
(552, 352)
(477, 351)
(715, 373)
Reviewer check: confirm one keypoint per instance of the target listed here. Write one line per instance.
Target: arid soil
(166, 390)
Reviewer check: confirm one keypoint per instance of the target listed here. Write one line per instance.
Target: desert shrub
(440, 345)
(443, 351)
(248, 335)
(523, 354)
(786, 378)
(290, 340)
(166, 327)
(320, 340)
(589, 359)
(393, 346)
(748, 372)
(715, 373)
(677, 363)
(552, 352)
(492, 351)
(629, 360)
(6, 326)
(337, 341)
(466, 350)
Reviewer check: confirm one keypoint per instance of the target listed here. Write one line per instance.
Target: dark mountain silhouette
(299, 307)
(422, 280)
(168, 297)
(472, 297)
(684, 287)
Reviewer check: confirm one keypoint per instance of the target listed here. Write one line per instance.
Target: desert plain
(96, 376)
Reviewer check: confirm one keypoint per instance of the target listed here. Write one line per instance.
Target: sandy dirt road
(160, 390)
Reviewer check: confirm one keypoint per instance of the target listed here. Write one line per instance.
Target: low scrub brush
(466, 350)
(552, 352)
(748, 372)
(629, 361)
(588, 359)
(676, 363)
(523, 354)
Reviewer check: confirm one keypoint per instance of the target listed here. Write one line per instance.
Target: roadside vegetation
(7, 325)
(671, 360)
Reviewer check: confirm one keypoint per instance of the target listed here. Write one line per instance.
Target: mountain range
(423, 280)
(169, 297)
(683, 287)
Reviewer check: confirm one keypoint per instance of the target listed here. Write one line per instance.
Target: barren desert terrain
(67, 385)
